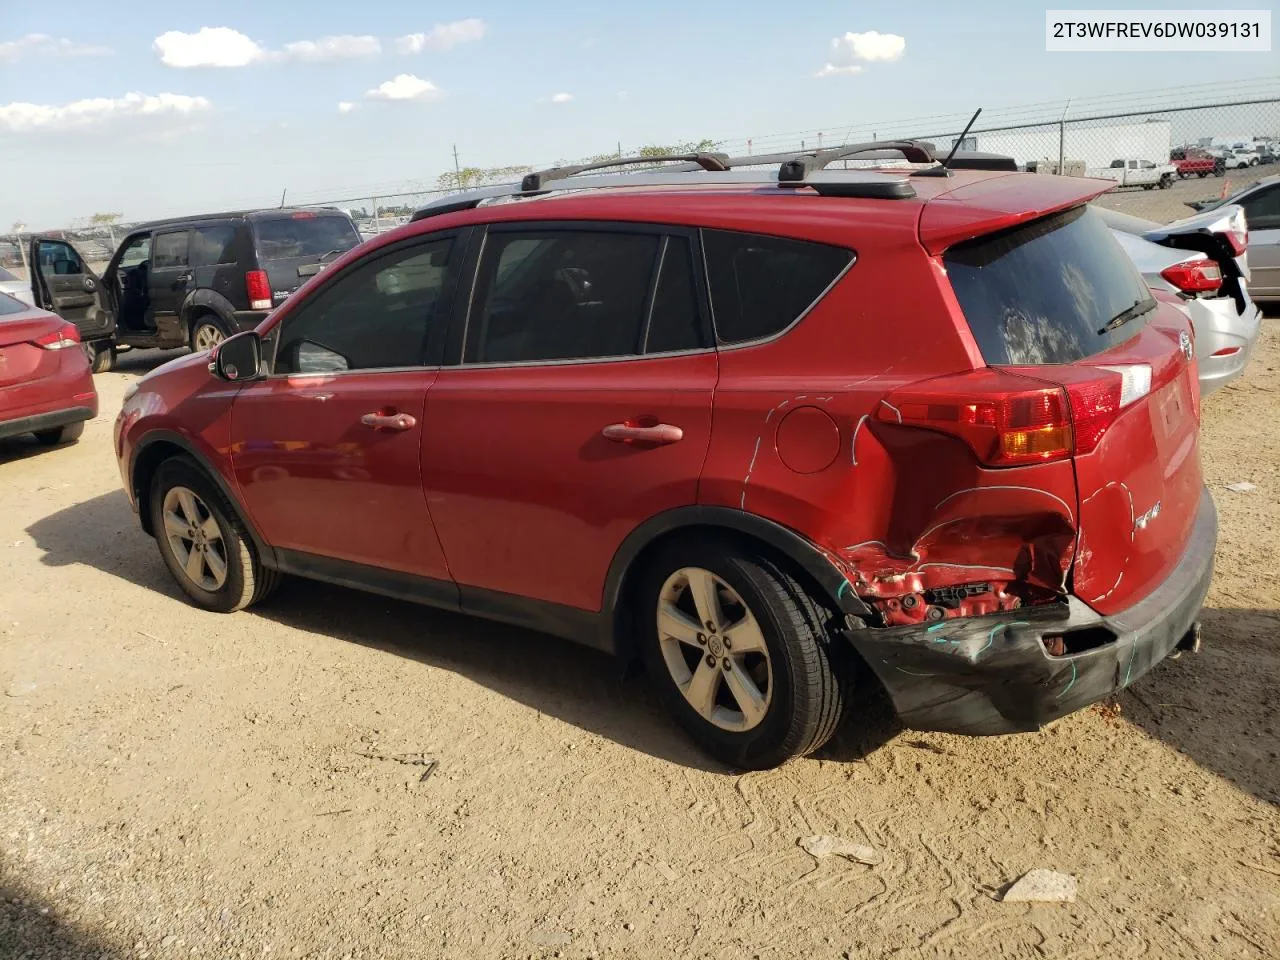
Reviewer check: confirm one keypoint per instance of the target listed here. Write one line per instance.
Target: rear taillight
(258, 287)
(1009, 419)
(65, 336)
(1194, 276)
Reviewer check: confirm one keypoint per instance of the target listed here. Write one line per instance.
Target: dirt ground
(178, 783)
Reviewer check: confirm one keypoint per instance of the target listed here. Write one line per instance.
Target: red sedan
(45, 384)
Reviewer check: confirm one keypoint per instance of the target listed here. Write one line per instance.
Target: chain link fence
(1236, 125)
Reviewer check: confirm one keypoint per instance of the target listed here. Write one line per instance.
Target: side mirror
(238, 358)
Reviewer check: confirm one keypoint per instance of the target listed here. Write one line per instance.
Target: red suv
(769, 431)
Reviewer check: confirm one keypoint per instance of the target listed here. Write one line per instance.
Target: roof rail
(866, 184)
(714, 162)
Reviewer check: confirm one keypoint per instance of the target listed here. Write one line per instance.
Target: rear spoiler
(998, 203)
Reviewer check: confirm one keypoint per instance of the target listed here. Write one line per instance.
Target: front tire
(740, 654)
(202, 541)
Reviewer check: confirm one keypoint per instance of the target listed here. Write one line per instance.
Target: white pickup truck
(1138, 173)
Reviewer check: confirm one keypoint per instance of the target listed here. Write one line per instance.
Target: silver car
(16, 288)
(1261, 204)
(1202, 261)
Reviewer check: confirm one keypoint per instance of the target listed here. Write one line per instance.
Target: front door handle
(389, 421)
(657, 433)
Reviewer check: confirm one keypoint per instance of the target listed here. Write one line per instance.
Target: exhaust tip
(1190, 641)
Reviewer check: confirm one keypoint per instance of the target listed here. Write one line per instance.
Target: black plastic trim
(803, 552)
(389, 583)
(43, 421)
(570, 623)
(266, 553)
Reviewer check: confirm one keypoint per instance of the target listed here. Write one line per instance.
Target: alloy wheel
(195, 538)
(208, 336)
(714, 649)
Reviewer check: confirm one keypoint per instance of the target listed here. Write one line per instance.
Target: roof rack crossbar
(798, 168)
(713, 162)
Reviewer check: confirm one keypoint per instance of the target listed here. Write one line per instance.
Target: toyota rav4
(771, 432)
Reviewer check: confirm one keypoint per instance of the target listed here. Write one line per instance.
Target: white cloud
(207, 47)
(561, 97)
(346, 106)
(31, 117)
(831, 70)
(43, 45)
(225, 47)
(870, 47)
(344, 47)
(442, 36)
(404, 86)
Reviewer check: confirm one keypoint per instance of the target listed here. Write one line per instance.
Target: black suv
(187, 282)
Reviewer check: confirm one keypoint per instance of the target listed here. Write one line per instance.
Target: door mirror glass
(238, 358)
(312, 357)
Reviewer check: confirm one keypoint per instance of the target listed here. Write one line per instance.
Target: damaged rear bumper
(995, 674)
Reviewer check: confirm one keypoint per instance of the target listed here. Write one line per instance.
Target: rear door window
(213, 244)
(761, 285)
(304, 236)
(1055, 290)
(1262, 209)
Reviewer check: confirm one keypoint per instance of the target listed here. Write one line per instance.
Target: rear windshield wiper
(325, 256)
(1137, 309)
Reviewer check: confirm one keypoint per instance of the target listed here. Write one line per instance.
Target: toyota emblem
(1184, 342)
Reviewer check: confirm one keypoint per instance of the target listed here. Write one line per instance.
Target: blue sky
(486, 76)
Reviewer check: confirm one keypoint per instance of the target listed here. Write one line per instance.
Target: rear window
(10, 304)
(298, 237)
(1045, 292)
(6, 276)
(760, 285)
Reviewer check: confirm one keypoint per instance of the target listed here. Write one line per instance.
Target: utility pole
(457, 170)
(282, 196)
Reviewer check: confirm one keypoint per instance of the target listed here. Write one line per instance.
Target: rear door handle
(658, 433)
(389, 421)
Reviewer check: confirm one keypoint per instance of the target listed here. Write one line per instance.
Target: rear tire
(777, 688)
(207, 331)
(101, 355)
(1202, 174)
(68, 434)
(203, 543)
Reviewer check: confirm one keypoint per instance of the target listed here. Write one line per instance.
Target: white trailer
(1095, 145)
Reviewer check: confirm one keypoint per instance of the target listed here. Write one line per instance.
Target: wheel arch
(162, 446)
(804, 558)
(205, 301)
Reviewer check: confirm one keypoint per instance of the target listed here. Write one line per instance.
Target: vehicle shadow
(144, 361)
(575, 684)
(30, 927)
(1220, 707)
(21, 447)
